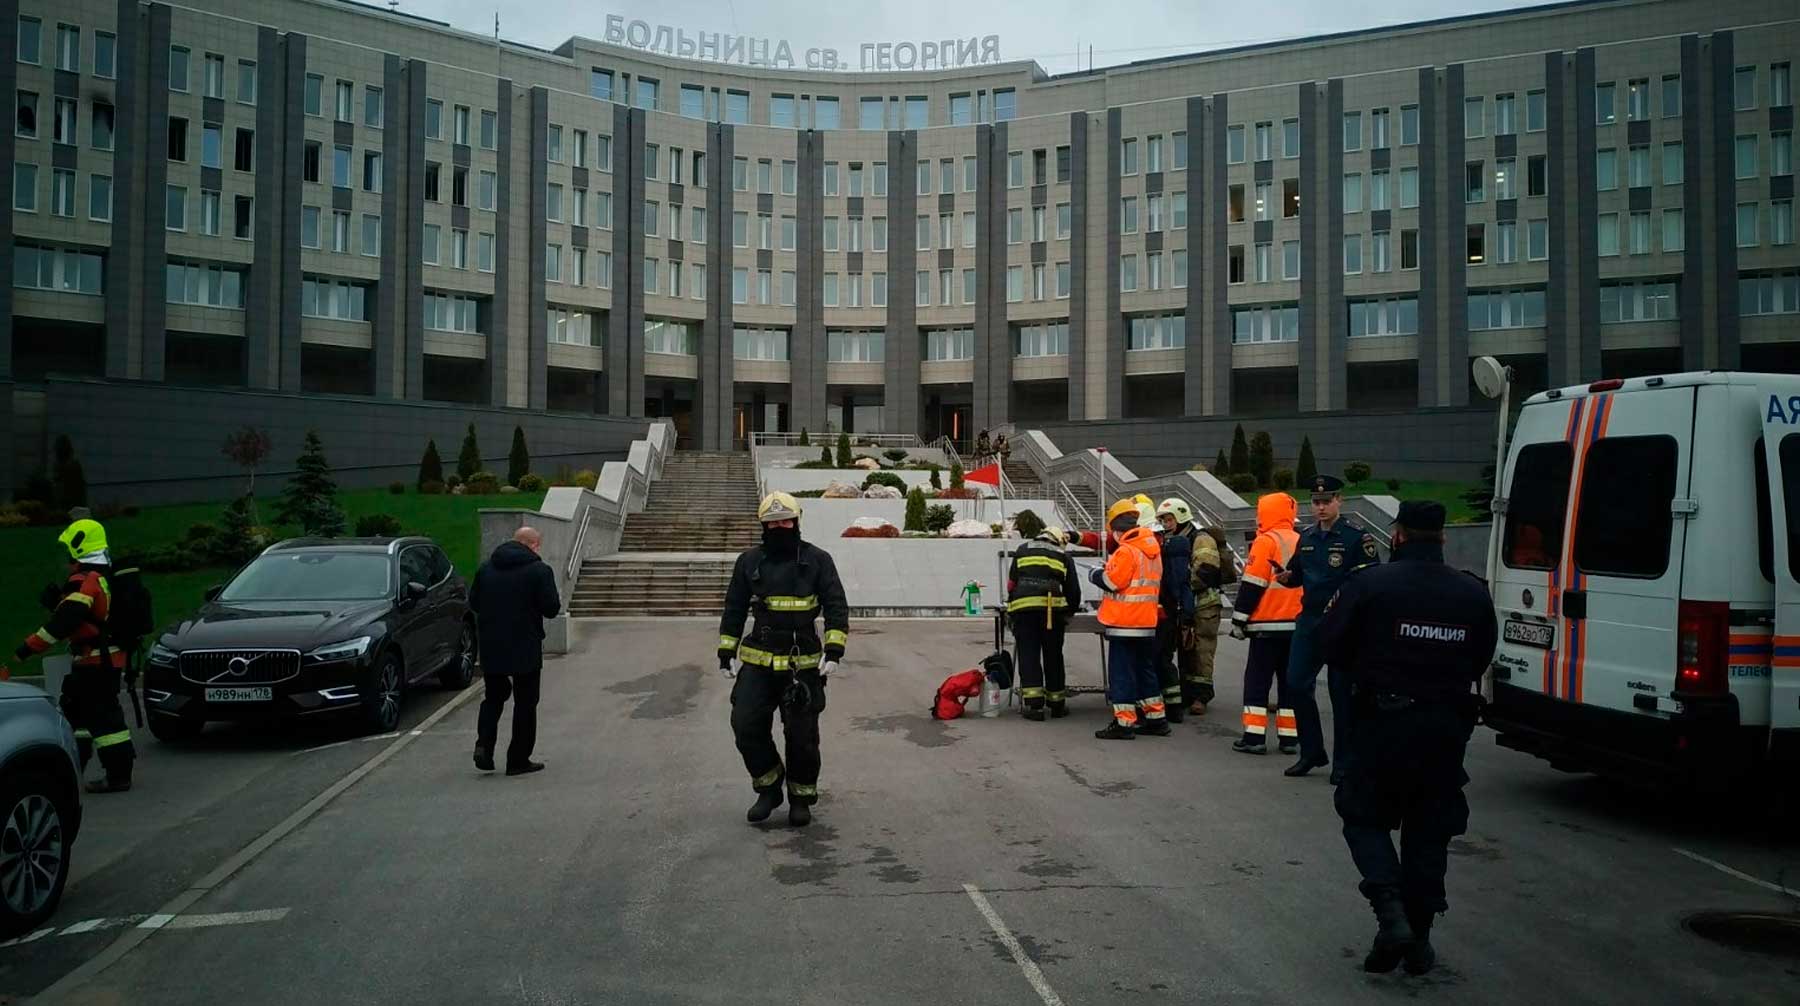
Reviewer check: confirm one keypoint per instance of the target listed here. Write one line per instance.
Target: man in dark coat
(514, 591)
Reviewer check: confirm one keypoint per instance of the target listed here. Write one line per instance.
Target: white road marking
(353, 740)
(1033, 973)
(227, 919)
(86, 926)
(32, 938)
(132, 938)
(1722, 868)
(155, 922)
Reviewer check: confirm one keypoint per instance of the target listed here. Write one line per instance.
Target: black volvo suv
(314, 626)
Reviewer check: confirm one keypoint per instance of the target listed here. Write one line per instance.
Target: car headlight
(349, 649)
(162, 656)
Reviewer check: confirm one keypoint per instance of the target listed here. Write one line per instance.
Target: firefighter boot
(799, 814)
(1393, 937)
(1176, 712)
(1421, 958)
(765, 804)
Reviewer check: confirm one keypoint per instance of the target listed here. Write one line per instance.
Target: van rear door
(1781, 444)
(1535, 486)
(1621, 566)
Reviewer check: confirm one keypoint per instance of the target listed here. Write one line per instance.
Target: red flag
(986, 475)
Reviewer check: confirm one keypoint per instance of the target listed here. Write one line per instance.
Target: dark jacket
(1414, 627)
(784, 598)
(514, 591)
(1177, 596)
(1042, 575)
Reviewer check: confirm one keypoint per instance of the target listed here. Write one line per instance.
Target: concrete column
(1078, 265)
(1451, 367)
(900, 398)
(1334, 327)
(1208, 146)
(1584, 353)
(536, 323)
(263, 304)
(1720, 116)
(634, 208)
(389, 321)
(121, 271)
(1114, 334)
(715, 391)
(993, 349)
(9, 80)
(1432, 242)
(152, 129)
(292, 94)
(624, 397)
(1197, 370)
(500, 329)
(806, 345)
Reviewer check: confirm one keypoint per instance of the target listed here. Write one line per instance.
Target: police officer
(1329, 551)
(79, 609)
(1043, 591)
(1411, 638)
(786, 584)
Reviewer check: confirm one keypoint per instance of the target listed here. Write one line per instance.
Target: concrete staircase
(1085, 495)
(675, 556)
(1026, 485)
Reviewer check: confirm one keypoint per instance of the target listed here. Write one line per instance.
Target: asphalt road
(979, 861)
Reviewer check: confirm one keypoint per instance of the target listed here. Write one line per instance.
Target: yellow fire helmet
(1119, 509)
(778, 506)
(1054, 535)
(83, 537)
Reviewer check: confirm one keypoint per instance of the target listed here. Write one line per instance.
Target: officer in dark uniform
(1411, 638)
(1329, 551)
(1042, 591)
(787, 585)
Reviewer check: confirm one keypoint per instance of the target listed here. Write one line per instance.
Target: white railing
(772, 439)
(1073, 507)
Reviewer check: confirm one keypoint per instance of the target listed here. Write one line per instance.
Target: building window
(1261, 269)
(371, 237)
(243, 151)
(789, 178)
(1234, 144)
(1379, 136)
(1128, 217)
(603, 153)
(1506, 114)
(175, 208)
(62, 126)
(600, 84)
(1605, 103)
(1380, 253)
(309, 227)
(1781, 85)
(1537, 240)
(30, 40)
(106, 54)
(1474, 182)
(1265, 137)
(1769, 293)
(1353, 192)
(1261, 323)
(943, 344)
(1474, 117)
(1492, 309)
(1781, 222)
(1353, 254)
(1781, 154)
(1506, 178)
(1063, 280)
(246, 82)
(58, 270)
(1128, 277)
(178, 69)
(1290, 198)
(737, 107)
(1409, 125)
(1015, 169)
(1378, 190)
(204, 285)
(1746, 157)
(1153, 157)
(1384, 316)
(1673, 163)
(1640, 300)
(1637, 167)
(1536, 112)
(1674, 230)
(68, 48)
(1671, 96)
(1607, 227)
(1290, 260)
(450, 313)
(62, 192)
(869, 111)
(210, 211)
(344, 94)
(212, 75)
(1744, 88)
(340, 231)
(646, 93)
(1290, 136)
(1352, 130)
(1506, 242)
(459, 250)
(1409, 188)
(968, 278)
(1041, 339)
(100, 198)
(431, 243)
(1409, 249)
(484, 254)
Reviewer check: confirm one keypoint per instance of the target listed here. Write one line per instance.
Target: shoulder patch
(1370, 549)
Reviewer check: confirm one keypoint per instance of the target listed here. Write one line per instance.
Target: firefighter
(1411, 637)
(1132, 582)
(1207, 578)
(90, 694)
(1042, 591)
(1329, 551)
(1264, 612)
(1175, 627)
(786, 584)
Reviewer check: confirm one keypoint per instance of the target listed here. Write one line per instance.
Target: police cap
(1327, 485)
(1421, 515)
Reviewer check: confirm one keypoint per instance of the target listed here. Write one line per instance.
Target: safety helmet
(778, 506)
(1177, 506)
(83, 537)
(1120, 509)
(1053, 535)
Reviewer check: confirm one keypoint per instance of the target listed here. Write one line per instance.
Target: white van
(1648, 583)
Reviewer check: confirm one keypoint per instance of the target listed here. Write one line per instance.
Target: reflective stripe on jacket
(1041, 577)
(1263, 605)
(1133, 583)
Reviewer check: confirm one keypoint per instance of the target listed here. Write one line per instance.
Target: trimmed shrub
(1240, 451)
(843, 450)
(71, 481)
(431, 467)
(1028, 523)
(482, 484)
(939, 517)
(1221, 467)
(894, 454)
(1394, 485)
(915, 510)
(937, 481)
(13, 518)
(825, 459)
(1307, 468)
(587, 479)
(959, 493)
(1262, 458)
(378, 525)
(956, 476)
(1283, 479)
(823, 464)
(1357, 472)
(518, 460)
(888, 479)
(397, 488)
(805, 438)
(431, 489)
(1243, 482)
(468, 460)
(532, 484)
(454, 481)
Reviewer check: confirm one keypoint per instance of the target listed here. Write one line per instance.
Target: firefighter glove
(828, 668)
(726, 670)
(1237, 630)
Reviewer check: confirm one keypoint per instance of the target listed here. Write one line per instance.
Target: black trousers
(1041, 672)
(1264, 666)
(523, 689)
(1169, 659)
(1404, 771)
(90, 700)
(755, 698)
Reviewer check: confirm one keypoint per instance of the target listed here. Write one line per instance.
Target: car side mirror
(213, 592)
(412, 594)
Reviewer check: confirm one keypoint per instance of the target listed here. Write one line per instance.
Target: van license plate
(240, 694)
(1536, 634)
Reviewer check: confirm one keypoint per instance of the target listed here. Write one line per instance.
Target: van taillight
(1702, 645)
(1611, 384)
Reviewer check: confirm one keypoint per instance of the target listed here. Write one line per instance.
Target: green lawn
(33, 557)
(1450, 494)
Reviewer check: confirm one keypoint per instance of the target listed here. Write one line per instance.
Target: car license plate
(1538, 634)
(240, 694)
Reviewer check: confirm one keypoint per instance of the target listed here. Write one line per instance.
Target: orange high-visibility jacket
(1132, 580)
(1262, 605)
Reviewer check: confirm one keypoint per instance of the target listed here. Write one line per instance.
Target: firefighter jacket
(784, 596)
(1205, 575)
(1042, 576)
(1177, 597)
(1263, 605)
(1132, 580)
(80, 619)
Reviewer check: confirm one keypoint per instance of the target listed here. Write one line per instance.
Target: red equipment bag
(956, 689)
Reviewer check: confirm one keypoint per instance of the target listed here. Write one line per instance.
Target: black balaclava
(783, 542)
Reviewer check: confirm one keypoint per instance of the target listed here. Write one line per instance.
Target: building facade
(321, 197)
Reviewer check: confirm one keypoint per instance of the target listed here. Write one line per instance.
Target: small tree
(468, 461)
(248, 448)
(1357, 472)
(310, 499)
(1262, 457)
(824, 456)
(939, 517)
(915, 510)
(70, 480)
(1481, 497)
(1240, 452)
(1221, 467)
(431, 467)
(844, 460)
(956, 476)
(518, 463)
(937, 481)
(1308, 468)
(805, 440)
(238, 538)
(1283, 479)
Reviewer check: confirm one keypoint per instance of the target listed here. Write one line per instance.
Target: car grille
(239, 667)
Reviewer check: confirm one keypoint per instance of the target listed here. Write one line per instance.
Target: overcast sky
(1049, 31)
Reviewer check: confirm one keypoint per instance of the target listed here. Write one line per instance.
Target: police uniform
(1042, 591)
(1411, 637)
(785, 587)
(1324, 558)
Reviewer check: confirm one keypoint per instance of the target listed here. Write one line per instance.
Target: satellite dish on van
(1490, 375)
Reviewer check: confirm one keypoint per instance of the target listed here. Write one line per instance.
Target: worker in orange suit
(1265, 612)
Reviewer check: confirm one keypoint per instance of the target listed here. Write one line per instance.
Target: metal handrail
(575, 550)
(777, 439)
(1076, 510)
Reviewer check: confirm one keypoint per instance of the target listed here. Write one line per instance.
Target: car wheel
(387, 687)
(461, 670)
(174, 729)
(34, 852)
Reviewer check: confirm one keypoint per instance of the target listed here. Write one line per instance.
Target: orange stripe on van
(1578, 673)
(1581, 433)
(1785, 651)
(1553, 655)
